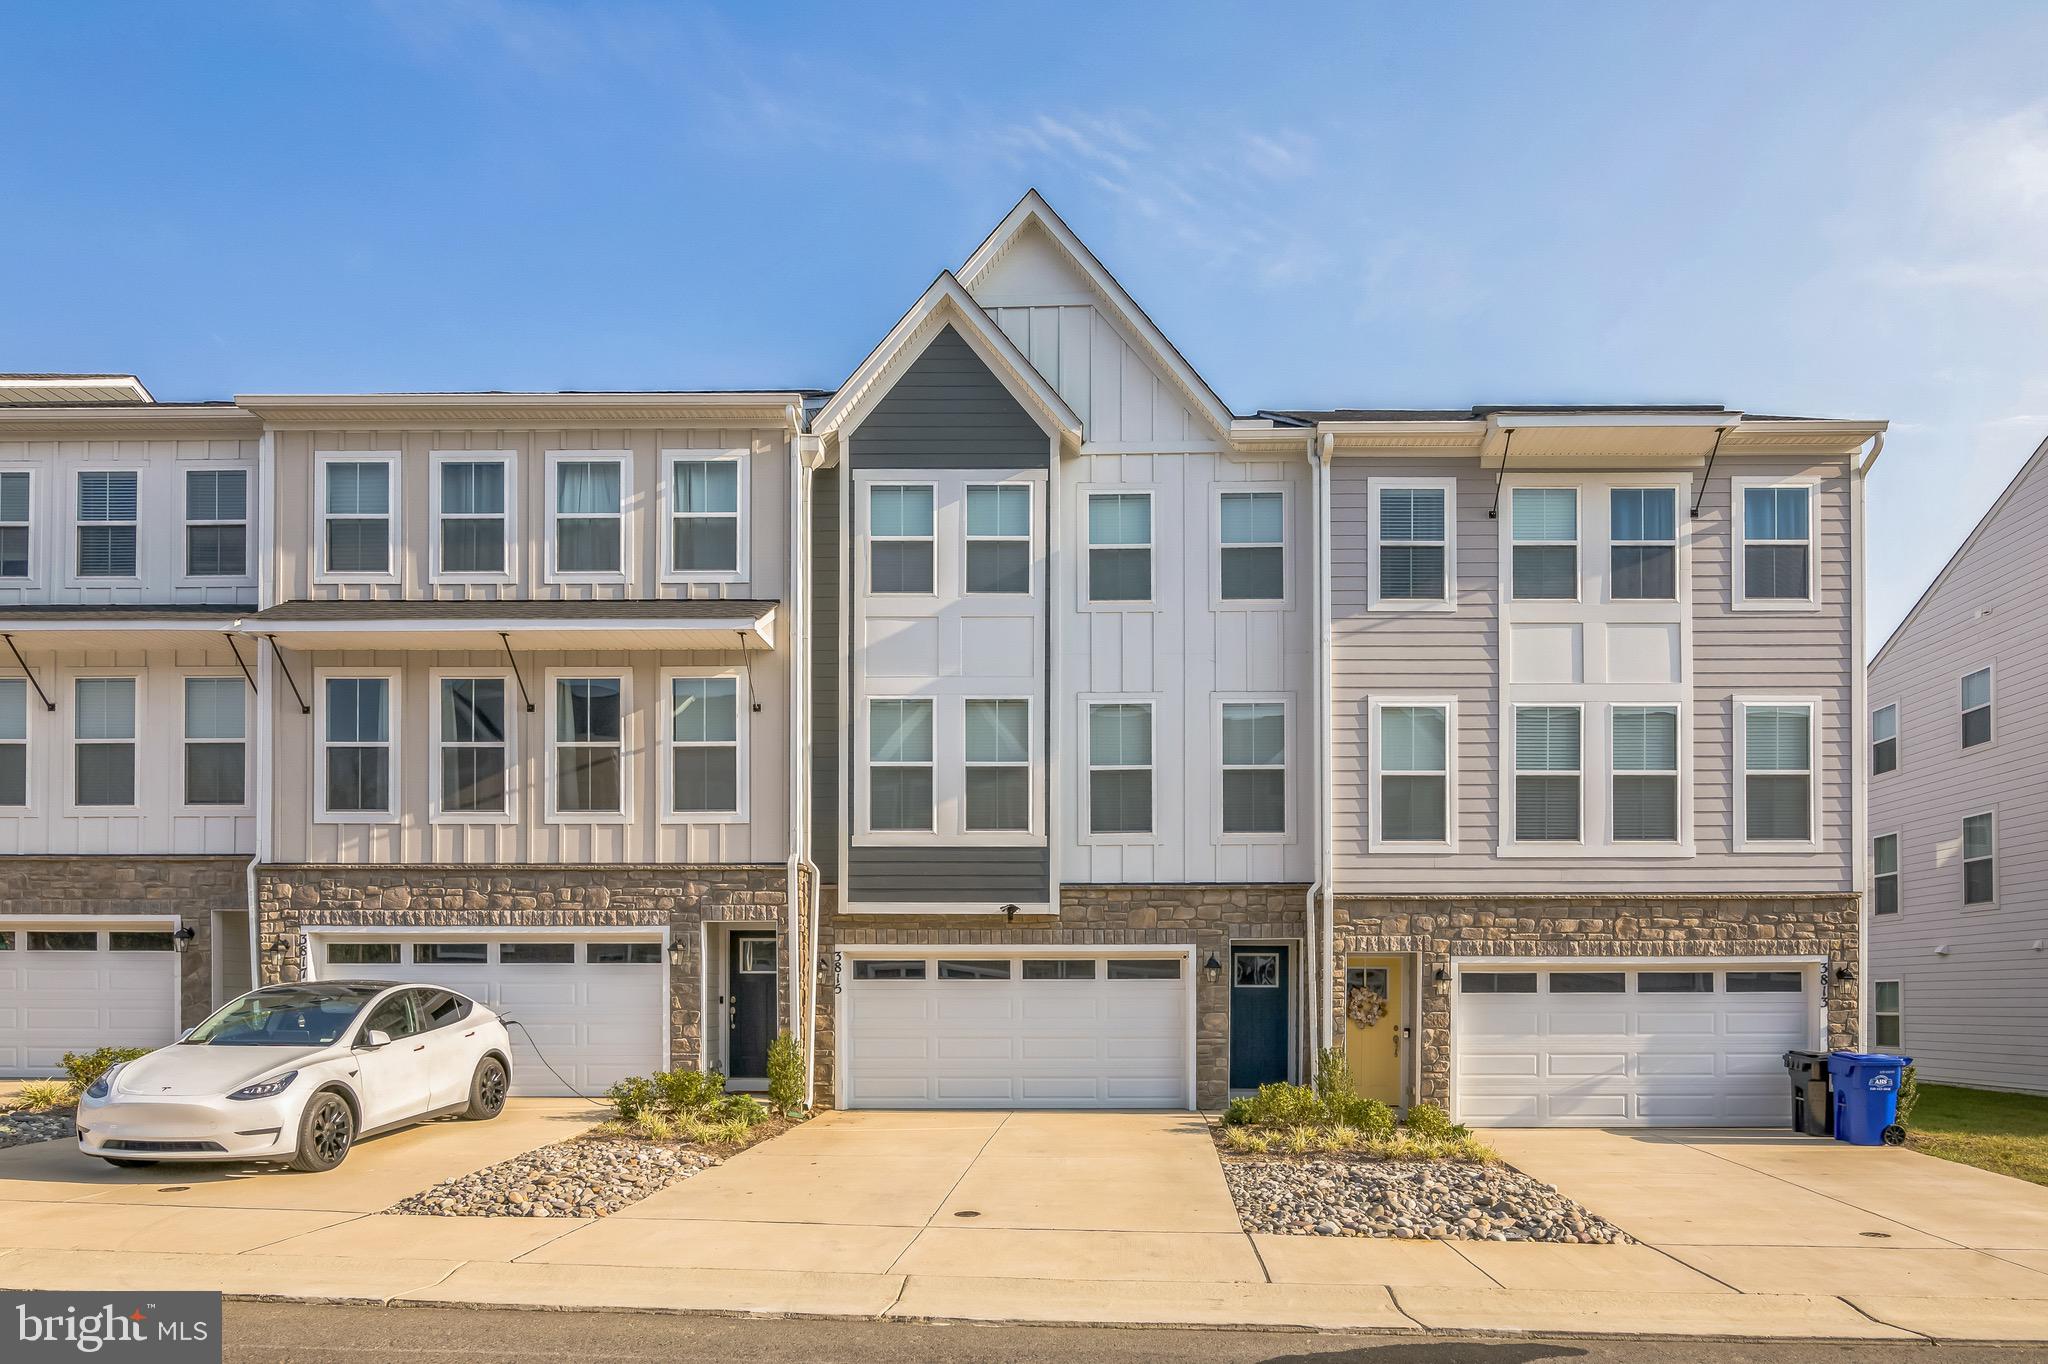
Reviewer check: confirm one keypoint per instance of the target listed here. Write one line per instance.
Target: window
(7, 942)
(900, 539)
(1254, 767)
(1413, 543)
(119, 941)
(1253, 564)
(1884, 872)
(103, 713)
(999, 539)
(216, 523)
(1414, 768)
(216, 725)
(442, 1008)
(1777, 773)
(1119, 547)
(475, 754)
(362, 954)
(1674, 982)
(1884, 740)
(589, 515)
(536, 953)
(13, 743)
(1120, 768)
(1497, 982)
(1765, 982)
(899, 765)
(1060, 968)
(472, 512)
(1642, 533)
(757, 956)
(1887, 1015)
(888, 970)
(1979, 883)
(106, 523)
(1255, 970)
(1546, 544)
(974, 970)
(998, 766)
(356, 753)
(14, 523)
(1140, 968)
(623, 954)
(450, 953)
(704, 745)
(589, 745)
(356, 502)
(394, 1017)
(705, 529)
(1546, 774)
(1777, 544)
(63, 942)
(1588, 982)
(1646, 774)
(1977, 708)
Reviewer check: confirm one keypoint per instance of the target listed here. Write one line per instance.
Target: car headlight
(266, 1089)
(102, 1087)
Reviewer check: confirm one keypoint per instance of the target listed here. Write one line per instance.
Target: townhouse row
(1014, 724)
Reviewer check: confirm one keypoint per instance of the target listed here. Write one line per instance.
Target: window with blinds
(473, 513)
(357, 512)
(16, 489)
(1977, 708)
(1547, 774)
(1884, 872)
(1253, 565)
(900, 765)
(355, 728)
(901, 539)
(1777, 544)
(998, 766)
(998, 539)
(588, 738)
(1777, 773)
(589, 519)
(1979, 838)
(103, 748)
(1412, 550)
(704, 745)
(1119, 547)
(1545, 536)
(1645, 793)
(474, 748)
(1120, 768)
(704, 526)
(1414, 774)
(216, 734)
(1884, 740)
(13, 743)
(216, 523)
(1254, 767)
(106, 523)
(1642, 533)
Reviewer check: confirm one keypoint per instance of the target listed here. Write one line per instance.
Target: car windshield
(281, 1018)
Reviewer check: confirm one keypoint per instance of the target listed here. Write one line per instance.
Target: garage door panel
(1481, 1064)
(1760, 1063)
(1573, 1023)
(1606, 1107)
(1653, 1023)
(998, 1048)
(1759, 1025)
(1505, 1109)
(975, 1006)
(1565, 1065)
(1061, 1048)
(1686, 1064)
(976, 1088)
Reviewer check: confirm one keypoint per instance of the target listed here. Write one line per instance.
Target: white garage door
(67, 987)
(1628, 1046)
(943, 1028)
(594, 1006)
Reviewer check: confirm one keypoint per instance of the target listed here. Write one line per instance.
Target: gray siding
(947, 411)
(825, 608)
(940, 875)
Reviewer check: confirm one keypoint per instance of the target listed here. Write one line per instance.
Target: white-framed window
(1414, 773)
(473, 778)
(103, 715)
(902, 539)
(1980, 843)
(587, 492)
(586, 727)
(473, 492)
(1778, 796)
(1548, 774)
(14, 742)
(1252, 745)
(17, 524)
(107, 523)
(1887, 1014)
(704, 736)
(1884, 740)
(356, 717)
(1120, 547)
(707, 515)
(1642, 544)
(1976, 701)
(1544, 533)
(216, 523)
(1120, 768)
(900, 761)
(1644, 795)
(757, 956)
(1774, 558)
(216, 741)
(998, 539)
(1412, 551)
(1884, 873)
(1252, 546)
(998, 762)
(357, 508)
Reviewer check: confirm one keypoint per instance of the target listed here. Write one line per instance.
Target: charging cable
(543, 1057)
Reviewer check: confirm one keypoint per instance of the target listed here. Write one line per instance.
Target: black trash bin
(1813, 1108)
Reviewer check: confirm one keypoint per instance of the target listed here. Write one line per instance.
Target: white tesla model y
(298, 1072)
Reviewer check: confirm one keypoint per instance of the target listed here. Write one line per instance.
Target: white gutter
(792, 868)
(1859, 705)
(804, 450)
(1326, 862)
(266, 594)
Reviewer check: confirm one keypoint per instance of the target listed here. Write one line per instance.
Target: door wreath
(1365, 1006)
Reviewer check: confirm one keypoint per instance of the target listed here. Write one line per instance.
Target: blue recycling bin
(1866, 1089)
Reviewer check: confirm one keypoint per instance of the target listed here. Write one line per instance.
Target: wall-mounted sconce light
(186, 934)
(1212, 969)
(1442, 976)
(1009, 914)
(1845, 972)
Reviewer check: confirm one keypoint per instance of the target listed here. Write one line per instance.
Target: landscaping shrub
(85, 1067)
(1909, 1095)
(632, 1096)
(680, 1091)
(785, 1074)
(1285, 1105)
(1430, 1123)
(1237, 1113)
(40, 1095)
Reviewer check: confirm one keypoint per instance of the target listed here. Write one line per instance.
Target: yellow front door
(1375, 1008)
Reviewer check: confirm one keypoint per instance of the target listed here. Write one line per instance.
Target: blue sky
(1816, 208)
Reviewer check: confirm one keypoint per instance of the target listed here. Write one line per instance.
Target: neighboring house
(1959, 809)
(1020, 727)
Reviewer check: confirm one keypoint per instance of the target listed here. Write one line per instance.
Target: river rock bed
(592, 1177)
(22, 1128)
(1406, 1200)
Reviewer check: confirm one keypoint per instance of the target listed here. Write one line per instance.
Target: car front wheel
(326, 1130)
(487, 1090)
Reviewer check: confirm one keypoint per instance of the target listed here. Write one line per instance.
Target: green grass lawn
(2004, 1133)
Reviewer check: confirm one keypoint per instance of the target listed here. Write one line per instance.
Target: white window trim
(863, 745)
(743, 753)
(1963, 859)
(1899, 873)
(1681, 778)
(1088, 492)
(1510, 844)
(1990, 705)
(1285, 544)
(555, 574)
(1374, 487)
(1030, 536)
(1738, 585)
(1577, 542)
(247, 576)
(1898, 737)
(72, 577)
(32, 708)
(515, 711)
(1898, 1013)
(1379, 842)
(37, 516)
(1289, 816)
(741, 570)
(1681, 555)
(248, 746)
(865, 507)
(628, 723)
(440, 459)
(1086, 768)
(395, 681)
(1033, 832)
(1739, 835)
(67, 709)
(389, 459)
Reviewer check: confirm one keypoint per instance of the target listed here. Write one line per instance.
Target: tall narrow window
(1412, 559)
(1414, 774)
(705, 516)
(216, 523)
(13, 742)
(103, 713)
(474, 753)
(1777, 544)
(900, 539)
(1253, 554)
(999, 539)
(473, 516)
(1254, 767)
(998, 766)
(106, 523)
(1643, 544)
(704, 745)
(14, 523)
(1778, 773)
(1546, 544)
(1884, 740)
(1884, 872)
(1645, 774)
(899, 765)
(357, 748)
(589, 733)
(357, 509)
(1119, 546)
(589, 516)
(1977, 708)
(1547, 774)
(1120, 768)
(1980, 885)
(1887, 1027)
(216, 730)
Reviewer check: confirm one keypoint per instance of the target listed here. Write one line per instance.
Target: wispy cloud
(1977, 218)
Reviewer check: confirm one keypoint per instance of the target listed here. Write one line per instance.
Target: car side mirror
(373, 1039)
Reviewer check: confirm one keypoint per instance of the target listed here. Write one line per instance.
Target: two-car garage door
(72, 986)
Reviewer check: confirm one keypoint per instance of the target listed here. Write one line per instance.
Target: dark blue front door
(1258, 1016)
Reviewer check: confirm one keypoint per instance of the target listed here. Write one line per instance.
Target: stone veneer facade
(293, 899)
(1437, 930)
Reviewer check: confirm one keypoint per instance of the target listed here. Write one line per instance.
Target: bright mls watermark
(169, 1328)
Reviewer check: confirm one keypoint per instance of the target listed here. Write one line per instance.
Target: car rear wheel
(326, 1131)
(487, 1090)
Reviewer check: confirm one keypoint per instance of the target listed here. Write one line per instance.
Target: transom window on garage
(622, 953)
(1545, 537)
(1253, 553)
(901, 539)
(362, 954)
(527, 953)
(1497, 982)
(1547, 774)
(976, 969)
(867, 969)
(998, 539)
(1060, 968)
(450, 953)
(1642, 533)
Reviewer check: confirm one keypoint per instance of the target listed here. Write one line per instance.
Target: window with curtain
(1119, 547)
(1645, 774)
(1979, 883)
(358, 516)
(216, 734)
(103, 719)
(216, 523)
(1547, 774)
(901, 545)
(899, 765)
(704, 745)
(1884, 740)
(356, 730)
(1254, 532)
(1884, 872)
(1887, 1027)
(1546, 543)
(998, 766)
(999, 539)
(705, 526)
(474, 751)
(1120, 768)
(1778, 773)
(589, 516)
(15, 487)
(1777, 544)
(106, 523)
(1414, 774)
(1977, 708)
(1642, 532)
(589, 742)
(13, 743)
(1413, 544)
(472, 516)
(1254, 767)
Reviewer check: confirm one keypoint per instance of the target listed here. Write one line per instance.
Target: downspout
(1860, 708)
(266, 660)
(792, 867)
(807, 454)
(1325, 802)
(1320, 937)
